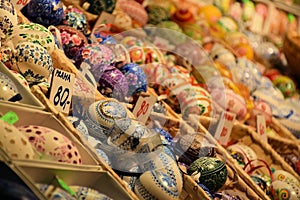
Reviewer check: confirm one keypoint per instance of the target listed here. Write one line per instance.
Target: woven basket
(291, 49)
(237, 180)
(245, 135)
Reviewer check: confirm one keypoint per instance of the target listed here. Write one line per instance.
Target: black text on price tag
(224, 127)
(143, 107)
(62, 90)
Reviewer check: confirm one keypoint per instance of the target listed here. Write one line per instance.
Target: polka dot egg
(51, 144)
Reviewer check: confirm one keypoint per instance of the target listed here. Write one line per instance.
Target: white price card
(61, 90)
(19, 4)
(261, 127)
(143, 107)
(224, 127)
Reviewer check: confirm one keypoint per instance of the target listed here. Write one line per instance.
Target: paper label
(224, 127)
(19, 4)
(61, 90)
(261, 127)
(143, 107)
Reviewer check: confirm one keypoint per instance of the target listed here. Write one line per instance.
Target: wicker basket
(291, 49)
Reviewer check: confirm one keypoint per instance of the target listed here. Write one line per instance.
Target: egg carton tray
(238, 182)
(94, 177)
(28, 99)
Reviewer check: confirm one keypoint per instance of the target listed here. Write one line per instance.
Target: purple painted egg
(136, 78)
(51, 144)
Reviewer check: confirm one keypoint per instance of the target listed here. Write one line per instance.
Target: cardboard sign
(261, 127)
(143, 107)
(61, 90)
(224, 127)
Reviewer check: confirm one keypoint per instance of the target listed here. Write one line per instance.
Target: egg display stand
(247, 136)
(237, 180)
(94, 177)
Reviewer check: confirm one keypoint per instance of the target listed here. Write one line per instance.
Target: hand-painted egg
(210, 13)
(75, 18)
(156, 184)
(97, 6)
(135, 10)
(45, 12)
(242, 153)
(32, 61)
(8, 89)
(72, 40)
(264, 184)
(212, 172)
(220, 54)
(122, 20)
(8, 17)
(21, 79)
(94, 54)
(157, 13)
(15, 143)
(285, 176)
(182, 16)
(32, 32)
(51, 144)
(260, 108)
(282, 190)
(82, 192)
(286, 85)
(136, 78)
(101, 116)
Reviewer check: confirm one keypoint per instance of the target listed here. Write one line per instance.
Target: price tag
(224, 127)
(10, 117)
(62, 90)
(19, 4)
(261, 127)
(143, 107)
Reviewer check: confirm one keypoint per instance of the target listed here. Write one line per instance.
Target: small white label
(19, 4)
(224, 127)
(62, 90)
(261, 127)
(143, 107)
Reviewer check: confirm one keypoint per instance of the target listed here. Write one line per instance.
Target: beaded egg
(136, 78)
(212, 172)
(45, 12)
(51, 144)
(14, 142)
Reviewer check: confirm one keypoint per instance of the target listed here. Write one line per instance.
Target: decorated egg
(8, 88)
(51, 144)
(286, 85)
(211, 172)
(260, 108)
(171, 32)
(263, 181)
(82, 192)
(72, 40)
(122, 20)
(222, 55)
(283, 190)
(79, 125)
(157, 13)
(45, 12)
(75, 18)
(135, 10)
(112, 83)
(21, 79)
(182, 16)
(227, 24)
(32, 61)
(136, 78)
(94, 54)
(248, 10)
(126, 133)
(8, 17)
(244, 50)
(156, 184)
(34, 33)
(101, 115)
(210, 13)
(14, 142)
(285, 176)
(97, 6)
(235, 38)
(291, 120)
(242, 153)
(272, 73)
(195, 31)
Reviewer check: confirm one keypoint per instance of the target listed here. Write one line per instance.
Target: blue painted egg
(136, 78)
(75, 18)
(45, 12)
